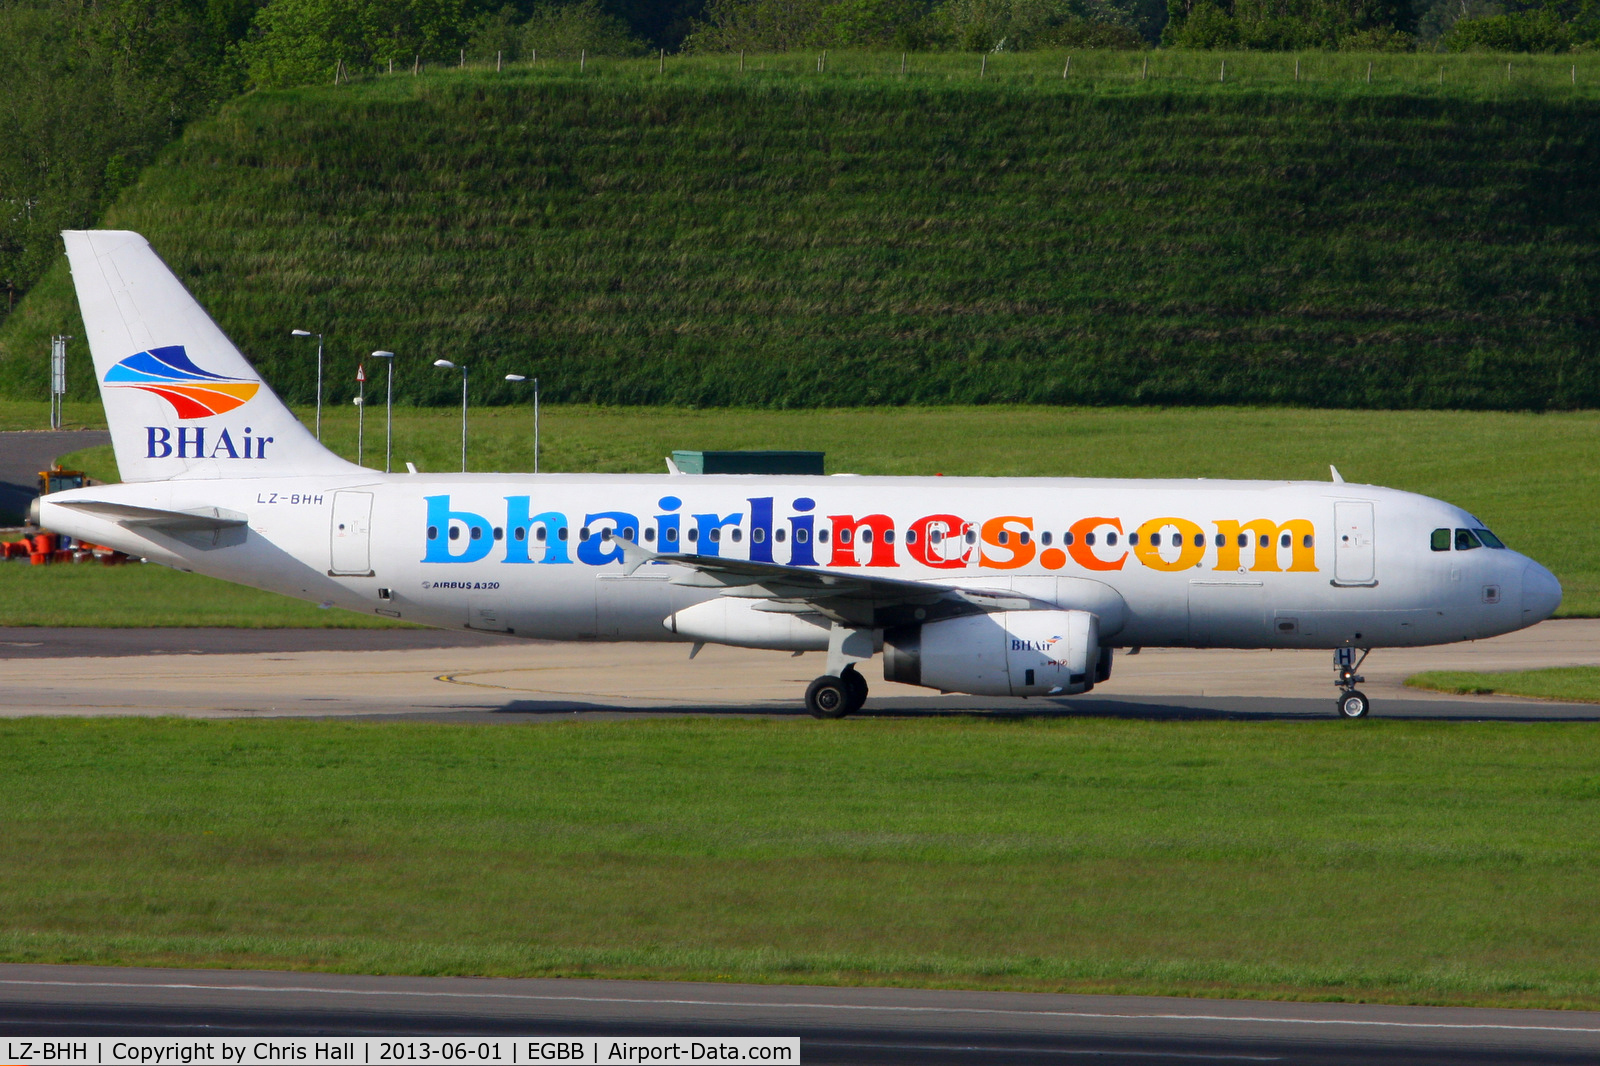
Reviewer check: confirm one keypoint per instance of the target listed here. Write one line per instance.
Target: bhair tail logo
(170, 374)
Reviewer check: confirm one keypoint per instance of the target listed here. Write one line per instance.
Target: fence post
(983, 66)
(497, 60)
(1222, 75)
(661, 62)
(463, 59)
(583, 59)
(903, 67)
(1369, 72)
(1296, 68)
(1067, 69)
(741, 61)
(1144, 73)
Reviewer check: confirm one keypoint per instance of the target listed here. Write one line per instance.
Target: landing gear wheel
(856, 686)
(1353, 704)
(828, 697)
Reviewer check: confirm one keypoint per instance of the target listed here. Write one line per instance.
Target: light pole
(361, 411)
(448, 365)
(388, 413)
(519, 377)
(303, 333)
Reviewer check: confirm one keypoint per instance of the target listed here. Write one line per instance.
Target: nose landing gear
(1352, 702)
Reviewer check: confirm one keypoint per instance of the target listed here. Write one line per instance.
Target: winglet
(1338, 478)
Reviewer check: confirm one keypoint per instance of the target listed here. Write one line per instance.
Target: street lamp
(519, 377)
(448, 365)
(388, 416)
(303, 333)
(361, 412)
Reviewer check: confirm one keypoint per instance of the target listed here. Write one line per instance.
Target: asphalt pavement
(835, 1025)
(24, 454)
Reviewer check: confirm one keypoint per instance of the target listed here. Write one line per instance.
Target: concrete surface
(501, 679)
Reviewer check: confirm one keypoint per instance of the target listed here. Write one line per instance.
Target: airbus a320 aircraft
(988, 586)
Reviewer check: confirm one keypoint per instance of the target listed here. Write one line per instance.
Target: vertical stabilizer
(179, 398)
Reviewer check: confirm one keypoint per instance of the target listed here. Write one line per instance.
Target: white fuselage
(1197, 563)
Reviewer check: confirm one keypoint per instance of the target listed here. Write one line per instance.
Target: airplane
(974, 585)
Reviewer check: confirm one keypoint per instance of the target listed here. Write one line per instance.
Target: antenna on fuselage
(1338, 478)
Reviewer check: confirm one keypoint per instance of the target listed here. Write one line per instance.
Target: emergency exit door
(1353, 547)
(352, 534)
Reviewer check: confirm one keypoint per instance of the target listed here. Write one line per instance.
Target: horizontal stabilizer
(204, 527)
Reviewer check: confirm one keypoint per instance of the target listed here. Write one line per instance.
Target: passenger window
(1067, 538)
(1266, 541)
(583, 534)
(972, 536)
(561, 534)
(1155, 539)
(716, 534)
(758, 535)
(477, 532)
(1489, 539)
(911, 536)
(541, 535)
(1199, 540)
(628, 533)
(1044, 538)
(1305, 541)
(1133, 538)
(801, 536)
(694, 534)
(888, 536)
(738, 534)
(1004, 537)
(499, 534)
(649, 535)
(844, 536)
(1024, 536)
(1285, 540)
(520, 533)
(1088, 538)
(1440, 541)
(455, 532)
(1221, 540)
(778, 536)
(672, 535)
(822, 536)
(1244, 540)
(866, 535)
(433, 532)
(1111, 539)
(1466, 541)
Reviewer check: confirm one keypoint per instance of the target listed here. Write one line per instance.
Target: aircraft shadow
(1243, 708)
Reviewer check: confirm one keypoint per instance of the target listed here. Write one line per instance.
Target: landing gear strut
(1352, 703)
(835, 697)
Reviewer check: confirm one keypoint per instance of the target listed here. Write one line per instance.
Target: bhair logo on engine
(193, 393)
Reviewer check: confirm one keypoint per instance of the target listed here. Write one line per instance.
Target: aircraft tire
(856, 686)
(1353, 704)
(828, 697)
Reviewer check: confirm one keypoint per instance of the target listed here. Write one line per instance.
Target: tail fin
(179, 398)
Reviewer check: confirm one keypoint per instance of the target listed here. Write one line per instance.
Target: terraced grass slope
(779, 237)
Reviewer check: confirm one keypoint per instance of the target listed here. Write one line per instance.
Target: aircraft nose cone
(1541, 594)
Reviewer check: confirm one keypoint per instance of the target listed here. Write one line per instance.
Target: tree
(296, 42)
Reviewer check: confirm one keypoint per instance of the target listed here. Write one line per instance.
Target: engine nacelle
(739, 621)
(1010, 653)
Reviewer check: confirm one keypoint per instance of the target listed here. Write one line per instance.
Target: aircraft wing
(852, 599)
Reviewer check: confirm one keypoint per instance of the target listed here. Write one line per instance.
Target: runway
(836, 1025)
(460, 676)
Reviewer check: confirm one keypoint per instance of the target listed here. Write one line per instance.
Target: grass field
(787, 238)
(1577, 683)
(1528, 476)
(1413, 862)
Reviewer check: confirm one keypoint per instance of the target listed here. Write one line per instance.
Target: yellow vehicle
(57, 480)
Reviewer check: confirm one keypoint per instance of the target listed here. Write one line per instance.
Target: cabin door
(352, 534)
(1353, 548)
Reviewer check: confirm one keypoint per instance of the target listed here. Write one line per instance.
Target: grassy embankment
(1523, 474)
(1567, 683)
(780, 237)
(1199, 858)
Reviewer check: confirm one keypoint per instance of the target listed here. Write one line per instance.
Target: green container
(748, 462)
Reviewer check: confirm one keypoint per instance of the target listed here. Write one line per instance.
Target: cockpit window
(1440, 541)
(1489, 539)
(1466, 540)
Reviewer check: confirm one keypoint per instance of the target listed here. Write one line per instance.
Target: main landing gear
(1352, 703)
(835, 697)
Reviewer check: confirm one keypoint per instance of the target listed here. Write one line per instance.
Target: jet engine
(1008, 653)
